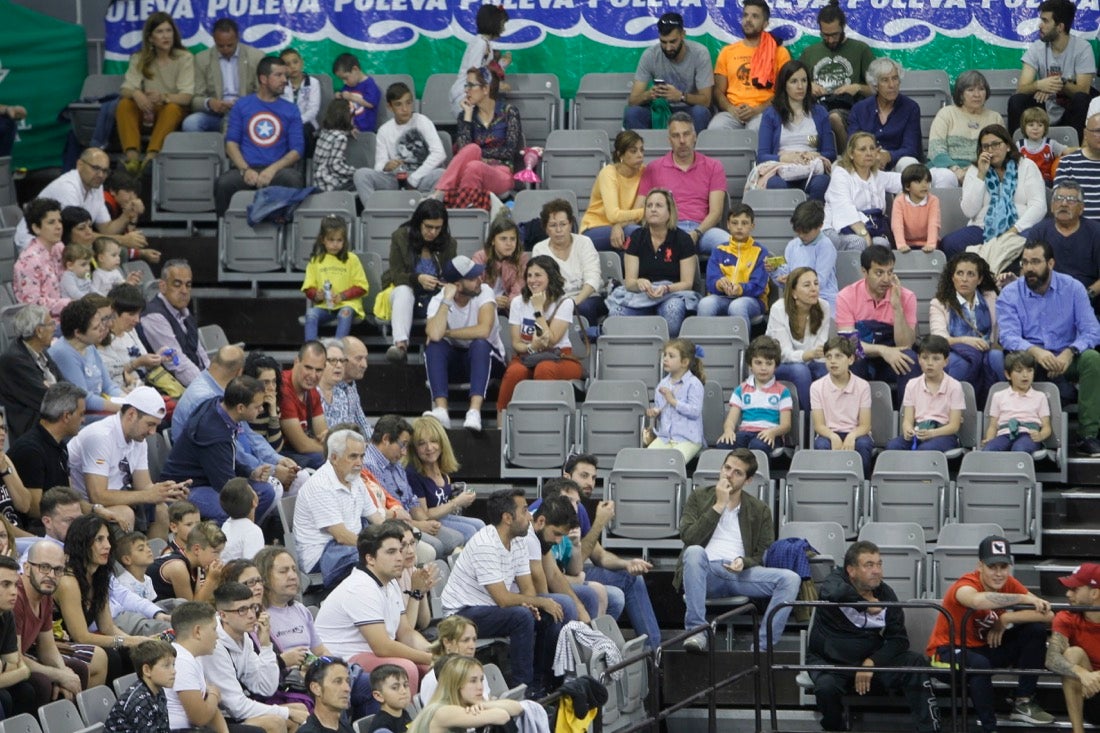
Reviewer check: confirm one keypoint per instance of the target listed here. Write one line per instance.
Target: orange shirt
(980, 621)
(734, 62)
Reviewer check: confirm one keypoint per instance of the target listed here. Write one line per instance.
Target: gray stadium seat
(723, 340)
(285, 507)
(714, 411)
(956, 553)
(611, 418)
(630, 348)
(848, 269)
(95, 704)
(243, 251)
(360, 151)
(735, 150)
(158, 450)
(825, 537)
(498, 687)
(382, 214)
(537, 430)
(529, 202)
(649, 487)
(600, 101)
(537, 97)
(656, 143)
(611, 267)
(709, 465)
(184, 175)
(469, 228)
(970, 432)
(1001, 488)
(61, 716)
(327, 92)
(121, 684)
(884, 418)
(302, 232)
(773, 208)
(572, 160)
(1055, 445)
(1002, 85)
(931, 91)
(83, 114)
(825, 486)
(910, 486)
(7, 185)
(435, 102)
(22, 723)
(363, 724)
(920, 272)
(952, 217)
(633, 684)
(448, 145)
(8, 253)
(902, 548)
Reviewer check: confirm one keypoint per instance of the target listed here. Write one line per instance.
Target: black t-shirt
(41, 461)
(664, 263)
(385, 721)
(312, 725)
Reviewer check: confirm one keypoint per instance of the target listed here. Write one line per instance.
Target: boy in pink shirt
(933, 405)
(841, 405)
(1019, 417)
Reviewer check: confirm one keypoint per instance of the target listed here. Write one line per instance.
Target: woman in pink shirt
(37, 272)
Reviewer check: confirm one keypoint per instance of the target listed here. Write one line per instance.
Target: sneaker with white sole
(473, 421)
(696, 643)
(440, 414)
(1027, 710)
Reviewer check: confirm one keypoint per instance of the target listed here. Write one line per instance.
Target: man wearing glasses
(243, 667)
(83, 187)
(167, 322)
(1084, 167)
(1074, 239)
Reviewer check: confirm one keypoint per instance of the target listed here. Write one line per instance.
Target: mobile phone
(658, 82)
(457, 488)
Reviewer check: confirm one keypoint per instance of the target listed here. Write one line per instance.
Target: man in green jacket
(725, 534)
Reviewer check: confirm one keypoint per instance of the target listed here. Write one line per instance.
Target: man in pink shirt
(697, 183)
(884, 315)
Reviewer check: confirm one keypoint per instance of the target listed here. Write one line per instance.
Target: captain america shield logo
(264, 129)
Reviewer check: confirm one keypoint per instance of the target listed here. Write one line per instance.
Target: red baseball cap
(1087, 574)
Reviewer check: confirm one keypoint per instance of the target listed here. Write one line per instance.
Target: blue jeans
(720, 305)
(104, 125)
(957, 241)
(711, 238)
(601, 238)
(802, 376)
(865, 446)
(316, 317)
(446, 362)
(1023, 443)
(639, 117)
(518, 624)
(639, 608)
(748, 439)
(466, 526)
(982, 369)
(593, 309)
(941, 443)
(336, 562)
(202, 122)
(815, 186)
(705, 579)
(672, 310)
(206, 499)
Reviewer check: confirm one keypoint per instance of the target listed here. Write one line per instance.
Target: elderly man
(740, 96)
(83, 187)
(109, 463)
(346, 406)
(697, 182)
(303, 417)
(27, 368)
(1048, 314)
(205, 451)
(331, 509)
(168, 322)
(680, 74)
(264, 140)
(1083, 166)
(223, 74)
(1074, 647)
(1074, 240)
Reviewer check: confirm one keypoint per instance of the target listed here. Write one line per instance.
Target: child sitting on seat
(761, 405)
(678, 404)
(840, 404)
(932, 408)
(1019, 417)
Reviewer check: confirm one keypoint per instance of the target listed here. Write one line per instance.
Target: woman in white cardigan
(855, 202)
(1003, 193)
(801, 323)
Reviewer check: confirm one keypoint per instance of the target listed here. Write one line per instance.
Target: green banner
(43, 62)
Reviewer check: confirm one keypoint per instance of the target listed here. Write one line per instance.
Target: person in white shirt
(244, 667)
(464, 343)
(363, 620)
(407, 150)
(192, 703)
(243, 538)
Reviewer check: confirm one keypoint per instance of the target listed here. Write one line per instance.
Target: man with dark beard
(838, 67)
(873, 637)
(1048, 314)
(743, 82)
(680, 73)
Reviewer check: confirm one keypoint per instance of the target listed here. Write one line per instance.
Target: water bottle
(328, 294)
(171, 353)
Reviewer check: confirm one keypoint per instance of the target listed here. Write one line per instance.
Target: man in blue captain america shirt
(264, 140)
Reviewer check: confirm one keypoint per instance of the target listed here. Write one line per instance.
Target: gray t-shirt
(695, 72)
(1076, 59)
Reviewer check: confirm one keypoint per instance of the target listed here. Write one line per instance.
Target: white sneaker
(440, 414)
(473, 421)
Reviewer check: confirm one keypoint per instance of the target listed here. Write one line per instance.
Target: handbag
(534, 359)
(383, 308)
(164, 382)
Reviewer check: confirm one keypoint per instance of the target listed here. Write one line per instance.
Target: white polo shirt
(466, 316)
(484, 561)
(69, 190)
(324, 501)
(101, 449)
(360, 600)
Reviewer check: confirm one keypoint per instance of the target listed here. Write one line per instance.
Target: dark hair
(345, 62)
(36, 209)
(623, 142)
(236, 497)
(501, 224)
(94, 591)
(126, 298)
(100, 245)
(490, 20)
(257, 361)
(572, 461)
(124, 542)
(1001, 133)
(189, 614)
(120, 180)
(486, 78)
(807, 216)
(148, 653)
(77, 315)
(933, 344)
(816, 314)
(781, 101)
(670, 22)
(557, 206)
(337, 116)
(383, 672)
(289, 51)
(231, 592)
(857, 548)
(319, 667)
(746, 456)
(843, 344)
(398, 89)
(832, 13)
(223, 25)
(876, 254)
(1019, 360)
(390, 426)
(1048, 251)
(179, 509)
(428, 209)
(241, 390)
(555, 286)
(559, 485)
(914, 173)
(760, 4)
(766, 348)
(266, 64)
(1062, 11)
(370, 539)
(740, 209)
(57, 496)
(945, 290)
(234, 569)
(969, 80)
(7, 562)
(558, 511)
(501, 502)
(71, 218)
(313, 346)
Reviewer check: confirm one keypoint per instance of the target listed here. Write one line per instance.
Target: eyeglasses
(46, 569)
(1095, 131)
(336, 360)
(97, 168)
(993, 145)
(319, 661)
(252, 582)
(243, 611)
(1059, 198)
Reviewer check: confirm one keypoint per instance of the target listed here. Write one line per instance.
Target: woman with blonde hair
(457, 635)
(855, 202)
(431, 463)
(459, 701)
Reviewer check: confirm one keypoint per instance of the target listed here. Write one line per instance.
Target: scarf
(762, 66)
(1001, 213)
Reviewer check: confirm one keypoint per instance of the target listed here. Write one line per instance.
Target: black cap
(995, 550)
(670, 22)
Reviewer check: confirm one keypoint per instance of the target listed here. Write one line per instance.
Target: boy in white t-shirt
(243, 538)
(191, 702)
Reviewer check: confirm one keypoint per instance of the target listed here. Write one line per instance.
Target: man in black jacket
(871, 637)
(27, 368)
